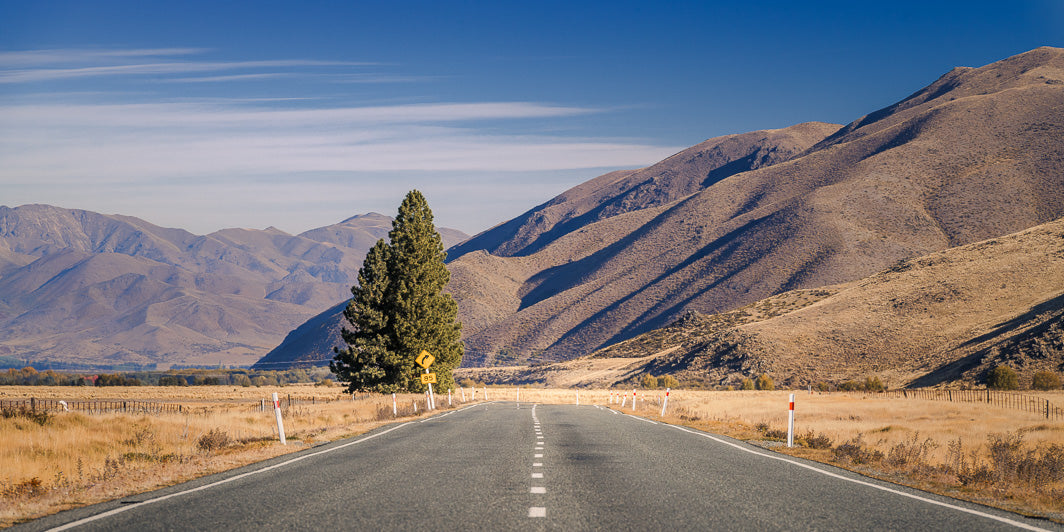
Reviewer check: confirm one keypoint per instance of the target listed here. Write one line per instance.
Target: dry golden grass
(77, 458)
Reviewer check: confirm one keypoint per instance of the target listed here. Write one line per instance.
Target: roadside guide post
(790, 423)
(277, 413)
(665, 403)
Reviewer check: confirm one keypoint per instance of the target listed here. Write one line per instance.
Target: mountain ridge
(117, 289)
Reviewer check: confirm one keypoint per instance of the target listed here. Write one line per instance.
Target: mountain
(946, 317)
(977, 154)
(78, 287)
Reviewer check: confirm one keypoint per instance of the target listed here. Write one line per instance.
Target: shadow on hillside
(1004, 333)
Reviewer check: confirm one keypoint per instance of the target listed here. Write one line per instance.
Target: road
(504, 466)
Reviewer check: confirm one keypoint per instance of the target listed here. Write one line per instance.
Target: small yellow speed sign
(425, 359)
(428, 378)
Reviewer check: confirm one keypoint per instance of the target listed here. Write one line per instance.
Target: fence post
(33, 404)
(1047, 408)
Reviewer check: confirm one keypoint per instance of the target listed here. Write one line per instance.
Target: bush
(468, 383)
(649, 382)
(1003, 378)
(213, 440)
(816, 441)
(855, 452)
(39, 417)
(1045, 380)
(747, 384)
(873, 384)
(668, 381)
(764, 382)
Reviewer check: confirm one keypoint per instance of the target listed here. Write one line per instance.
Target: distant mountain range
(977, 154)
(82, 288)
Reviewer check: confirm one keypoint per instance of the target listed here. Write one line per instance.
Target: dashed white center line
(537, 464)
(539, 489)
(537, 475)
(537, 511)
(537, 456)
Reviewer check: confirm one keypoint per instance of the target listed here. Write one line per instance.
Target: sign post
(425, 359)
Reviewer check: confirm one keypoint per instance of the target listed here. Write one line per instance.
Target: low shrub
(855, 452)
(1045, 380)
(649, 382)
(39, 417)
(668, 381)
(213, 440)
(1003, 378)
(747, 384)
(764, 382)
(815, 441)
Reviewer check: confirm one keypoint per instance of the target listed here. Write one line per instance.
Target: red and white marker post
(665, 403)
(790, 423)
(395, 407)
(277, 413)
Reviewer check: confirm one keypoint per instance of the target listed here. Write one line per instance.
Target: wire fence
(92, 406)
(1011, 400)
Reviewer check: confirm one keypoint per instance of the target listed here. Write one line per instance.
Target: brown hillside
(940, 318)
(944, 318)
(977, 154)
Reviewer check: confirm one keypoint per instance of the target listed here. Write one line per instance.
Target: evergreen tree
(364, 362)
(399, 309)
(424, 316)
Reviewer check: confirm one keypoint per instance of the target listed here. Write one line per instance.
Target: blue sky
(204, 115)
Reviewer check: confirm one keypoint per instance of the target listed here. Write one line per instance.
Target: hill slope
(944, 318)
(86, 288)
(976, 154)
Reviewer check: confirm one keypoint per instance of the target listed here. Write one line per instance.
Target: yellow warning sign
(425, 359)
(428, 378)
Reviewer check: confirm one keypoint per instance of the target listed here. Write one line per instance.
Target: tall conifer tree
(399, 308)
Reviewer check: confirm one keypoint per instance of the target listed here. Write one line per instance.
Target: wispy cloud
(149, 142)
(184, 139)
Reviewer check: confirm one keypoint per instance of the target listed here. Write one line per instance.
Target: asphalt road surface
(507, 466)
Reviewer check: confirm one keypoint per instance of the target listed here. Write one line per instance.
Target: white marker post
(474, 388)
(665, 403)
(462, 388)
(448, 397)
(624, 399)
(518, 394)
(633, 398)
(578, 398)
(395, 407)
(277, 413)
(485, 393)
(790, 423)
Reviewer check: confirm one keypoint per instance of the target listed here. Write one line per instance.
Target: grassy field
(989, 454)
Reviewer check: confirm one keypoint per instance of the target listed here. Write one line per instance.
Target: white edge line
(121, 509)
(642, 419)
(863, 483)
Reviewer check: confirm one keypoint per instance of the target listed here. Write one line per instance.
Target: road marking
(121, 509)
(539, 489)
(537, 511)
(861, 482)
(537, 456)
(537, 475)
(537, 464)
(642, 419)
